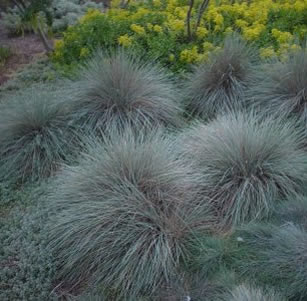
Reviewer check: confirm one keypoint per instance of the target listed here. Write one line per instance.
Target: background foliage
(158, 29)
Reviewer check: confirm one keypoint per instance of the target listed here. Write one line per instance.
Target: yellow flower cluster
(92, 13)
(176, 26)
(84, 52)
(124, 40)
(138, 29)
(267, 52)
(148, 23)
(157, 28)
(189, 55)
(253, 32)
(202, 32)
(282, 37)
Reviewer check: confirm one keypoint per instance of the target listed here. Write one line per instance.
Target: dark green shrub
(35, 136)
(123, 215)
(220, 84)
(246, 163)
(119, 89)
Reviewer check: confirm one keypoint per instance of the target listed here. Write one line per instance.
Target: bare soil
(25, 49)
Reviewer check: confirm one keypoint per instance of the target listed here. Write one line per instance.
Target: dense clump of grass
(282, 87)
(208, 255)
(123, 215)
(196, 286)
(88, 297)
(293, 211)
(220, 84)
(247, 164)
(247, 293)
(35, 136)
(119, 89)
(276, 257)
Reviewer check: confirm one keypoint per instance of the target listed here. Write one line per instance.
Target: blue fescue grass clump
(209, 255)
(123, 215)
(120, 89)
(88, 297)
(275, 256)
(292, 211)
(281, 87)
(247, 293)
(196, 286)
(35, 135)
(246, 163)
(220, 84)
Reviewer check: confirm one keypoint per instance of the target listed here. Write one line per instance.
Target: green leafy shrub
(220, 84)
(275, 257)
(123, 216)
(119, 89)
(35, 135)
(246, 163)
(158, 29)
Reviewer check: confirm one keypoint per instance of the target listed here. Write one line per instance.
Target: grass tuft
(119, 88)
(196, 286)
(123, 215)
(293, 211)
(281, 87)
(220, 84)
(247, 293)
(247, 164)
(35, 136)
(276, 257)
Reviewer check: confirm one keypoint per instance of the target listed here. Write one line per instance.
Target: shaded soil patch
(25, 49)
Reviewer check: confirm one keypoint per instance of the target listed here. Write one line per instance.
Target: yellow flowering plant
(161, 29)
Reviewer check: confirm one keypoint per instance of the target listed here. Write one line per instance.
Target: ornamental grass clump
(220, 83)
(276, 257)
(196, 286)
(123, 214)
(293, 211)
(247, 293)
(35, 136)
(119, 89)
(247, 163)
(281, 87)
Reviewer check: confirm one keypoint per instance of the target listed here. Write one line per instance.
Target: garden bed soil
(25, 49)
